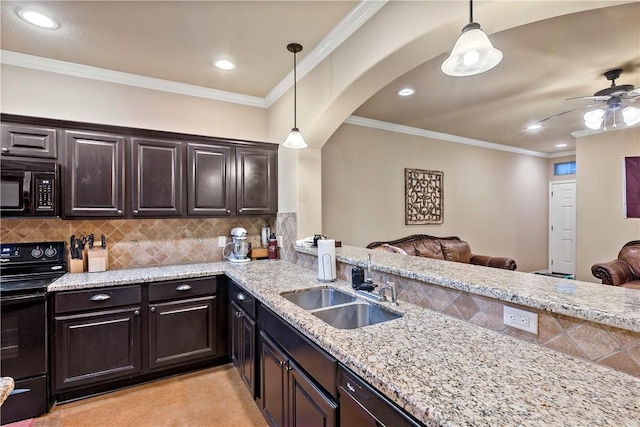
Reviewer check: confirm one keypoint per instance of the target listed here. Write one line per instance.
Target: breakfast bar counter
(441, 370)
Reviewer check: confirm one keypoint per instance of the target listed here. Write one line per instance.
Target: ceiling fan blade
(593, 98)
(566, 112)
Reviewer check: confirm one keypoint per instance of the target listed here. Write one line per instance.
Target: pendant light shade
(294, 139)
(473, 53)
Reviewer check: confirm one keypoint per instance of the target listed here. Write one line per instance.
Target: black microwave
(28, 188)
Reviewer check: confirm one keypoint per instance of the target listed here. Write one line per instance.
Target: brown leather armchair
(624, 271)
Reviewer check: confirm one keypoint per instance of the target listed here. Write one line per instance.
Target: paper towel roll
(327, 260)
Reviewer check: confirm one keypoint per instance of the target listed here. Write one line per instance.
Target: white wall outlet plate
(516, 318)
(222, 240)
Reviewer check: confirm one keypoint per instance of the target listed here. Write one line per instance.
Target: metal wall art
(423, 196)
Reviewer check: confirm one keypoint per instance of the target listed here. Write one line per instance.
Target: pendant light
(294, 139)
(473, 53)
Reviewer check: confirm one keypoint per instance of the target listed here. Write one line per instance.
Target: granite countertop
(442, 370)
(6, 387)
(609, 305)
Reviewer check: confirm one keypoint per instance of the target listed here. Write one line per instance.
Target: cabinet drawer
(97, 299)
(244, 299)
(187, 288)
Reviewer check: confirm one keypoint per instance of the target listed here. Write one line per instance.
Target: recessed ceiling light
(38, 19)
(561, 145)
(406, 92)
(224, 64)
(534, 126)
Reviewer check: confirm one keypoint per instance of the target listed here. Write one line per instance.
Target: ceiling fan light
(295, 140)
(593, 119)
(472, 54)
(631, 115)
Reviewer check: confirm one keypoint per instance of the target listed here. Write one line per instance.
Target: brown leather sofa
(624, 271)
(445, 248)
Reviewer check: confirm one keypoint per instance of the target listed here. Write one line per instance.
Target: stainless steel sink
(355, 315)
(319, 298)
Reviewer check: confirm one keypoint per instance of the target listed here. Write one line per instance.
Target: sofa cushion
(428, 248)
(456, 250)
(407, 247)
(390, 248)
(631, 256)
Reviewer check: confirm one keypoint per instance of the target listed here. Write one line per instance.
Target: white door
(562, 223)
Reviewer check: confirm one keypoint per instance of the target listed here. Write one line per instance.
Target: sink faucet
(394, 292)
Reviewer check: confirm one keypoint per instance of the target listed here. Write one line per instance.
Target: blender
(238, 248)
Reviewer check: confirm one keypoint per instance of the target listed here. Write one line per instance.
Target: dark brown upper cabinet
(28, 141)
(157, 177)
(256, 181)
(94, 175)
(209, 182)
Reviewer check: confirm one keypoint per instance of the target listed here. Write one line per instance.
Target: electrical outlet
(222, 240)
(279, 240)
(520, 319)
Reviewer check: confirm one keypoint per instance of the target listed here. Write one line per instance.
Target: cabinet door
(156, 178)
(308, 406)
(181, 331)
(243, 345)
(96, 347)
(256, 181)
(273, 383)
(209, 181)
(29, 141)
(94, 174)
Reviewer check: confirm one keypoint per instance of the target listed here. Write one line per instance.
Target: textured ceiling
(544, 63)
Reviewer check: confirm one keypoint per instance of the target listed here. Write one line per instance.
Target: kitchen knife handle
(183, 288)
(100, 297)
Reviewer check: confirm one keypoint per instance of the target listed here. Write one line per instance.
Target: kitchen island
(441, 370)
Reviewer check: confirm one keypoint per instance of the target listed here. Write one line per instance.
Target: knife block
(98, 259)
(76, 265)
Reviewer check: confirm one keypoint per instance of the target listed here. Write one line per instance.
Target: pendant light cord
(295, 91)
(470, 10)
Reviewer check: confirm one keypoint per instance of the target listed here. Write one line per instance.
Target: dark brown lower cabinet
(94, 347)
(243, 348)
(288, 397)
(180, 331)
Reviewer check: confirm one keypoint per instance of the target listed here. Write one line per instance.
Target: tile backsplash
(140, 242)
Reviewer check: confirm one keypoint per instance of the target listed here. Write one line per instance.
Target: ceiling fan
(609, 100)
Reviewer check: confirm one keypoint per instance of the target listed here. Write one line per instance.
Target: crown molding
(562, 154)
(342, 31)
(424, 133)
(111, 76)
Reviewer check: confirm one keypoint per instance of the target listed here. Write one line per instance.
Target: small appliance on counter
(238, 248)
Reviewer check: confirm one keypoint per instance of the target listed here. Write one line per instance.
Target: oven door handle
(26, 192)
(19, 299)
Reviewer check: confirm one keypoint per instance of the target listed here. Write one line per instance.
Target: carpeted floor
(209, 398)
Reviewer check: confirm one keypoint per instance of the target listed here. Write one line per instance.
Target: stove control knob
(50, 252)
(37, 252)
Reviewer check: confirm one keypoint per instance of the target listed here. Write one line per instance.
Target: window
(568, 168)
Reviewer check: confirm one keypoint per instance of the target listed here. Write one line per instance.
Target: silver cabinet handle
(240, 210)
(136, 313)
(153, 309)
(5, 150)
(119, 211)
(228, 210)
(241, 297)
(135, 211)
(100, 297)
(183, 288)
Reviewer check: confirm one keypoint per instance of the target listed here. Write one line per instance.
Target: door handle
(183, 288)
(100, 297)
(241, 297)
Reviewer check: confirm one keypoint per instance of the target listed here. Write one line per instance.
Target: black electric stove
(26, 269)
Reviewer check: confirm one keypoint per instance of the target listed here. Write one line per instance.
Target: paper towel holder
(327, 258)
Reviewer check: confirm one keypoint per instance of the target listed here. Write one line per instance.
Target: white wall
(495, 200)
(602, 230)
